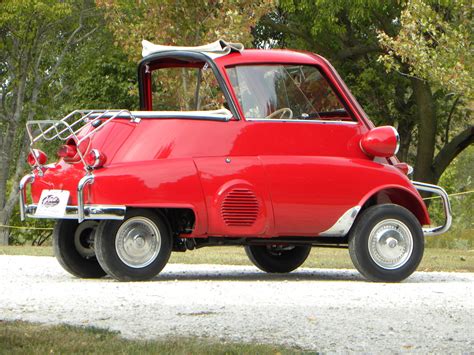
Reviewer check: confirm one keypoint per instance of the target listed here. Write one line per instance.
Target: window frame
(354, 120)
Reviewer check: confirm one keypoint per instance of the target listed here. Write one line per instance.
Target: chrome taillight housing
(381, 142)
(95, 159)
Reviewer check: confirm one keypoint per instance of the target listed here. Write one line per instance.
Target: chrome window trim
(350, 123)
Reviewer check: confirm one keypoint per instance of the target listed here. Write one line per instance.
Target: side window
(285, 92)
(186, 89)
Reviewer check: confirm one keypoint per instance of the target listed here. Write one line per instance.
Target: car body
(262, 148)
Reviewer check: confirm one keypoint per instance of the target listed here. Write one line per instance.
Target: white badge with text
(52, 203)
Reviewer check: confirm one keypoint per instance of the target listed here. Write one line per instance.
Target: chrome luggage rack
(69, 127)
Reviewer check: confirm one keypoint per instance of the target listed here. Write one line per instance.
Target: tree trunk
(426, 112)
(4, 232)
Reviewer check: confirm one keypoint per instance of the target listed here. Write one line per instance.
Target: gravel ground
(318, 309)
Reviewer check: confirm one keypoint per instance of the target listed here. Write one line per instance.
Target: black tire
(386, 243)
(276, 259)
(147, 234)
(73, 245)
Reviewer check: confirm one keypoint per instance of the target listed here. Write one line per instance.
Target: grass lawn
(433, 260)
(27, 338)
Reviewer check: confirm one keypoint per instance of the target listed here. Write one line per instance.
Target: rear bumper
(79, 212)
(448, 218)
(89, 212)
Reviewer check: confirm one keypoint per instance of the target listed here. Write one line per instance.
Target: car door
(305, 140)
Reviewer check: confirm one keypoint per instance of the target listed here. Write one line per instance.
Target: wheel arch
(398, 195)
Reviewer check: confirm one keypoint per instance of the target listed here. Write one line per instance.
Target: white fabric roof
(213, 50)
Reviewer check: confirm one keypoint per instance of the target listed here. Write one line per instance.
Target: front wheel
(387, 243)
(277, 258)
(134, 249)
(73, 245)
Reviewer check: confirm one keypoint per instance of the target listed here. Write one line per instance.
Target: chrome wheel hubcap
(138, 242)
(390, 244)
(84, 239)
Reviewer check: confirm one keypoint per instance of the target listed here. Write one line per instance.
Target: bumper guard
(448, 218)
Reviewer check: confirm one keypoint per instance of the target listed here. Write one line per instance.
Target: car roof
(269, 56)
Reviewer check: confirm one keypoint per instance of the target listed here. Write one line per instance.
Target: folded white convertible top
(213, 50)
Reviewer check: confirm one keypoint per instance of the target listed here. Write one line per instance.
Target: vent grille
(240, 208)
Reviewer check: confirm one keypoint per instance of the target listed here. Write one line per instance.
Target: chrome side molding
(343, 224)
(448, 219)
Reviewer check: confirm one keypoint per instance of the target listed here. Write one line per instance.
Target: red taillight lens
(95, 158)
(67, 151)
(37, 157)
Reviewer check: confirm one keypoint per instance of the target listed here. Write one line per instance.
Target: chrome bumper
(448, 219)
(79, 212)
(88, 212)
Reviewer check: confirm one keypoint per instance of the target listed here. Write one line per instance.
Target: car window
(285, 92)
(186, 89)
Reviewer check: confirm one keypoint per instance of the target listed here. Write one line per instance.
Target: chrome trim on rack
(448, 219)
(25, 180)
(115, 212)
(343, 224)
(88, 179)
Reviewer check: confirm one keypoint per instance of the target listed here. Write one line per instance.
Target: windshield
(285, 92)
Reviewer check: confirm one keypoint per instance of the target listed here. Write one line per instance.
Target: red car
(266, 149)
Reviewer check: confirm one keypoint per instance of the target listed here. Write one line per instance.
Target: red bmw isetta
(266, 149)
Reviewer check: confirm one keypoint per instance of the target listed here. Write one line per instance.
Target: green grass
(27, 338)
(433, 260)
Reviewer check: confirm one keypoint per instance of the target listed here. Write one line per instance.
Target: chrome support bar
(88, 179)
(432, 231)
(25, 180)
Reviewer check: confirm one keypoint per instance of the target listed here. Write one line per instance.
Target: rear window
(186, 89)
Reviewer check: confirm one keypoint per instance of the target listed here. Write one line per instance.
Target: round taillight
(381, 142)
(67, 151)
(95, 158)
(37, 157)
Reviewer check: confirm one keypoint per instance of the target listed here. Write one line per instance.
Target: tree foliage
(435, 41)
(53, 56)
(185, 23)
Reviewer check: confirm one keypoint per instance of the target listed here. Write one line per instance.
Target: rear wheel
(134, 249)
(73, 245)
(277, 258)
(387, 243)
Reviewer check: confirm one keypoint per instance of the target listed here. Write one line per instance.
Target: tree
(53, 56)
(185, 23)
(348, 33)
(434, 43)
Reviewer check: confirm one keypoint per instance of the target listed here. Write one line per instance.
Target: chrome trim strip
(88, 179)
(351, 123)
(30, 178)
(116, 212)
(398, 140)
(343, 224)
(448, 218)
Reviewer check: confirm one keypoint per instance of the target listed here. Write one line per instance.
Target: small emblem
(50, 201)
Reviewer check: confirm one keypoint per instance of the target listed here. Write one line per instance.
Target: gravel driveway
(320, 309)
